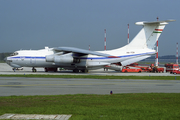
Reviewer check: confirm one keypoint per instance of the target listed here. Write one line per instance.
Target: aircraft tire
(55, 69)
(85, 71)
(46, 69)
(34, 70)
(76, 71)
(14, 69)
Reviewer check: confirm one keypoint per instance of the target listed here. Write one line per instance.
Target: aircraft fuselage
(37, 58)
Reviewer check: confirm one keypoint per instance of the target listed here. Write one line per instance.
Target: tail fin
(148, 35)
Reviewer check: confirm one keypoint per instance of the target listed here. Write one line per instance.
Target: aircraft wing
(79, 51)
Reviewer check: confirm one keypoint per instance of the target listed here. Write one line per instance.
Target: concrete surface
(35, 116)
(55, 86)
(6, 69)
(17, 86)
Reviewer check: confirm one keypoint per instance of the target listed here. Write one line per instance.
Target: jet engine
(63, 59)
(66, 58)
(50, 58)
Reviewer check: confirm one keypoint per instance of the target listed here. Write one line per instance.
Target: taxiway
(59, 86)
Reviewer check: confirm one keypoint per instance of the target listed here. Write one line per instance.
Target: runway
(59, 86)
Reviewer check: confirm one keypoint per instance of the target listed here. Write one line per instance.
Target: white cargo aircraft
(141, 47)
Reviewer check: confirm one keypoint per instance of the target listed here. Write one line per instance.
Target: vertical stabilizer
(148, 35)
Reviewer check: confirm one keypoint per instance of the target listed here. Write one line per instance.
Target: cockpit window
(14, 54)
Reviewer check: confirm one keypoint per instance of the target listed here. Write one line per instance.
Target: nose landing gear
(34, 70)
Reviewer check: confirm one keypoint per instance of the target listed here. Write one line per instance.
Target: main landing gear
(34, 70)
(50, 69)
(83, 71)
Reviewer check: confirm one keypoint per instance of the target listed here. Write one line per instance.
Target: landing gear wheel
(76, 71)
(55, 69)
(14, 69)
(85, 71)
(34, 70)
(46, 69)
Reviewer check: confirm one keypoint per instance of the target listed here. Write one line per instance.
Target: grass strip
(98, 77)
(96, 107)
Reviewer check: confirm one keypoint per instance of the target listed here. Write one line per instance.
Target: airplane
(81, 60)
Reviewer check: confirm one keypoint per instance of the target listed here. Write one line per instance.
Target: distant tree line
(3, 55)
(164, 57)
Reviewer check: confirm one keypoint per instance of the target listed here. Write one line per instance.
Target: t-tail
(142, 46)
(148, 35)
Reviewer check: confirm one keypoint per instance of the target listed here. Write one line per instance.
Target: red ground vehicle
(176, 72)
(151, 68)
(128, 69)
(143, 68)
(156, 69)
(171, 67)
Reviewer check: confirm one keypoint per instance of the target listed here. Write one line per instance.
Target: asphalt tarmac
(59, 86)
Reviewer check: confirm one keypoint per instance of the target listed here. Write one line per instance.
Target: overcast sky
(34, 24)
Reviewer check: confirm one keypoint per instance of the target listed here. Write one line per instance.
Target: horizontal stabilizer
(154, 22)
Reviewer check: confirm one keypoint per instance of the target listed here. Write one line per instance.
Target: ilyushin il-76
(81, 60)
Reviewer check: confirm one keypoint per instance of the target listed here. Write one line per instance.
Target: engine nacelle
(63, 59)
(66, 58)
(50, 58)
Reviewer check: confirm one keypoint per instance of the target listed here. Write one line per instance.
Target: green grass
(98, 77)
(151, 106)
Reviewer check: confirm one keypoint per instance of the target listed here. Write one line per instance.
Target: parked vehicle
(156, 69)
(151, 68)
(170, 67)
(176, 71)
(128, 69)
